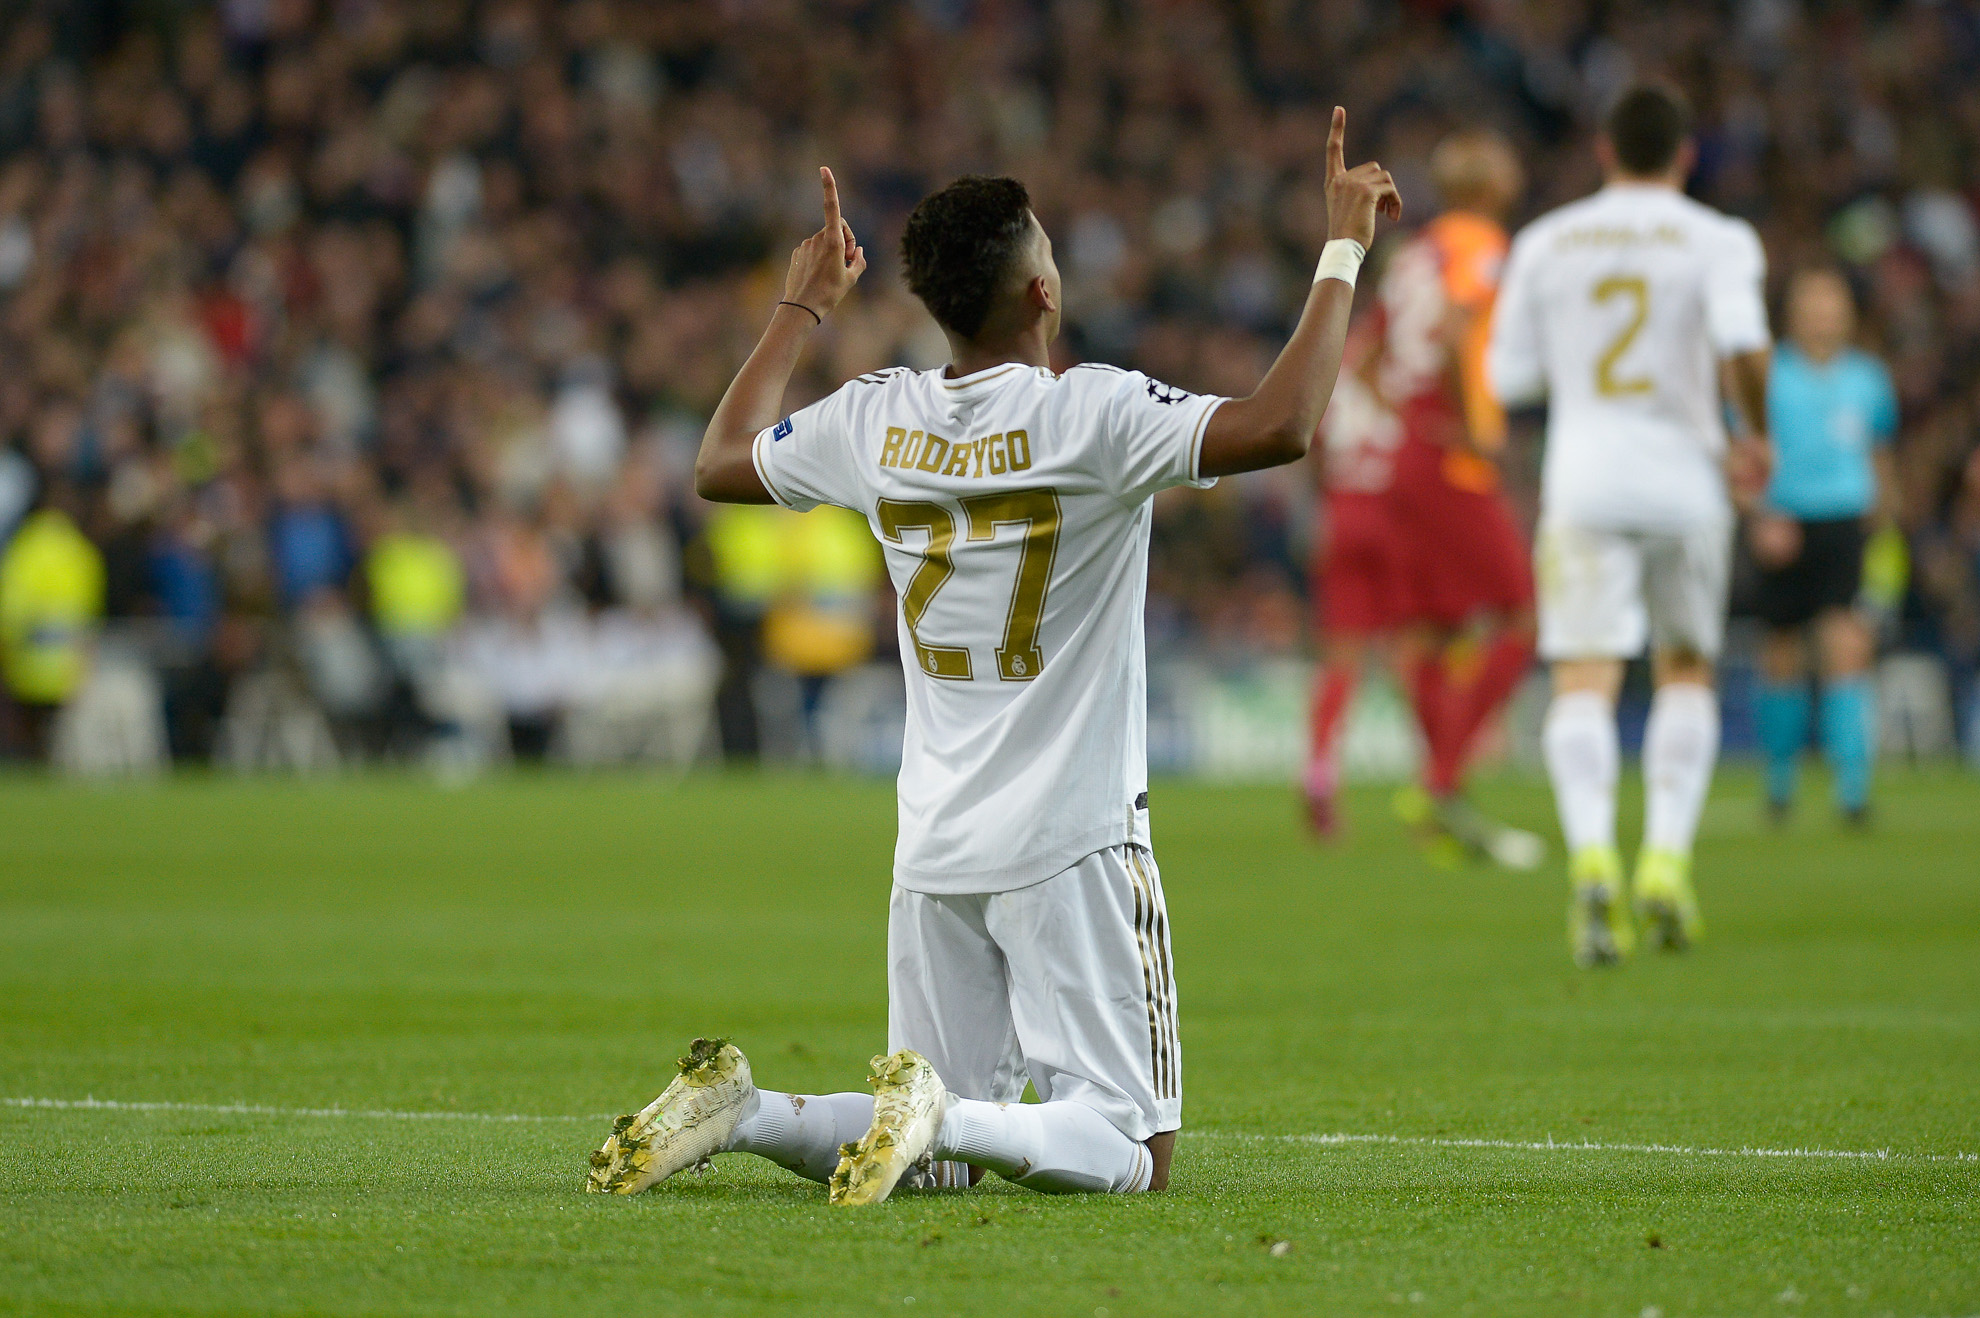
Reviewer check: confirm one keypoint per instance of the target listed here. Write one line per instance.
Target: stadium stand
(367, 342)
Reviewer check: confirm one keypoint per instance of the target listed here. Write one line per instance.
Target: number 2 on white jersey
(1037, 511)
(1637, 290)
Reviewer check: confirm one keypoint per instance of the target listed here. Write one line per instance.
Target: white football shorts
(1604, 594)
(1066, 983)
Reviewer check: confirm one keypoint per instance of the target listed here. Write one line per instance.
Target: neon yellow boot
(1599, 931)
(1664, 900)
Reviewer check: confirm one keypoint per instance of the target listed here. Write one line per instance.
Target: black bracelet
(807, 310)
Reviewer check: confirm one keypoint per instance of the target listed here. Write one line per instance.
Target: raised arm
(1275, 424)
(823, 270)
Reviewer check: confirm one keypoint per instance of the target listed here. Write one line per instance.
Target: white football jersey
(1013, 508)
(1618, 308)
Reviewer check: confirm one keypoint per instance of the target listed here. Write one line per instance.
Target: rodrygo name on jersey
(924, 450)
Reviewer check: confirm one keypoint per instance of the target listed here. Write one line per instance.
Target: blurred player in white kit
(1624, 311)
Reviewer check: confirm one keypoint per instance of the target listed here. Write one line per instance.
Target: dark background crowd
(341, 328)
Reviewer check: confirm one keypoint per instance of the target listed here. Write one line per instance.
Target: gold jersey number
(1037, 512)
(1637, 292)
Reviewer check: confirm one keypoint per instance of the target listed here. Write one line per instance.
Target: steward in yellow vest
(51, 600)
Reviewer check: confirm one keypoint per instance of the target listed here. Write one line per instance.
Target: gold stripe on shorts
(1152, 933)
(1168, 985)
(1142, 912)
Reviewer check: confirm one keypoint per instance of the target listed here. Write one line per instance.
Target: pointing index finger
(1336, 142)
(832, 218)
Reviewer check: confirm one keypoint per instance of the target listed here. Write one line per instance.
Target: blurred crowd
(353, 353)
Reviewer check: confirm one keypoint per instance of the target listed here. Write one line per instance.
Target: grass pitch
(541, 947)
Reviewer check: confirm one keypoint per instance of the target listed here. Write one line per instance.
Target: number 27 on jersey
(1036, 513)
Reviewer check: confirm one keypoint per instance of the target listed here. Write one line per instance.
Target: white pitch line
(258, 1110)
(1344, 1137)
(1589, 1146)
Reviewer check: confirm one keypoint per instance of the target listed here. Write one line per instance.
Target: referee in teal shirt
(1832, 413)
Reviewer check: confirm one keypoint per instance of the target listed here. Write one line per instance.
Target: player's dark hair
(1647, 125)
(959, 245)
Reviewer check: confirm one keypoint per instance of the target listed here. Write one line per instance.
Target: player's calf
(1161, 1149)
(1061, 1147)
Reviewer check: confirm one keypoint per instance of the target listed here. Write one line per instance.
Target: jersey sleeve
(1154, 435)
(1735, 292)
(1515, 367)
(806, 459)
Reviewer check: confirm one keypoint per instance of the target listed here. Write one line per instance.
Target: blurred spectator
(794, 594)
(308, 537)
(269, 269)
(745, 573)
(51, 603)
(822, 615)
(417, 589)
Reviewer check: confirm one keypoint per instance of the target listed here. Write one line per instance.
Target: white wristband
(1340, 259)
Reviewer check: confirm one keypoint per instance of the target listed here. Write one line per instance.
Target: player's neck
(1622, 179)
(968, 356)
(1822, 354)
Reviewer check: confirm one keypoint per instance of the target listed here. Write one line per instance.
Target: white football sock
(1680, 746)
(802, 1132)
(1060, 1148)
(1582, 755)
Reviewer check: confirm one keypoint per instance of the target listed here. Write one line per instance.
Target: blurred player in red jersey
(1423, 565)
(1360, 568)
